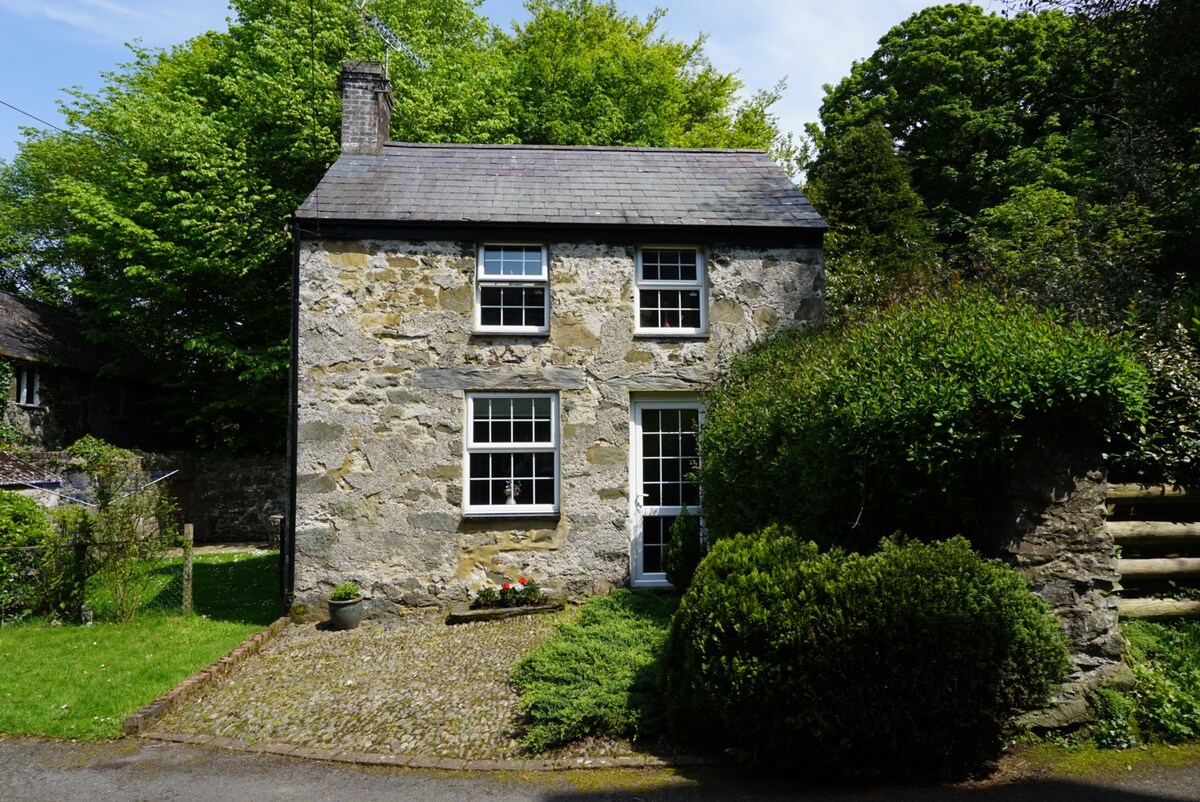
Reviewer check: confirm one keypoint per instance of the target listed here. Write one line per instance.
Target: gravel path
(411, 686)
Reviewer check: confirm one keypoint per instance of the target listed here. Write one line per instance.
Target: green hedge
(904, 422)
(910, 661)
(24, 530)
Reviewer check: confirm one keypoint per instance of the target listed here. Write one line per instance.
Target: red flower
(505, 586)
(522, 580)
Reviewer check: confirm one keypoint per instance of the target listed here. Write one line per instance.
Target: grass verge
(599, 674)
(80, 682)
(1091, 761)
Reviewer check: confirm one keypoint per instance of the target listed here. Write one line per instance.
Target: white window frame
(548, 447)
(638, 510)
(482, 280)
(27, 395)
(700, 283)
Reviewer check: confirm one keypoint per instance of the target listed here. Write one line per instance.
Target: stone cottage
(502, 351)
(58, 392)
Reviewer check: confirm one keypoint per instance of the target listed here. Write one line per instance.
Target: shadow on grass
(243, 589)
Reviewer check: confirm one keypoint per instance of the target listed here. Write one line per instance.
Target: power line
(33, 117)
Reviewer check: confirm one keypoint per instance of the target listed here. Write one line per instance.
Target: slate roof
(541, 184)
(38, 332)
(17, 472)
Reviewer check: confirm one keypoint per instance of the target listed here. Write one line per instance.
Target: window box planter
(463, 614)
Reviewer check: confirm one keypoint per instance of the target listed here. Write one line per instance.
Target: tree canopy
(162, 212)
(1058, 158)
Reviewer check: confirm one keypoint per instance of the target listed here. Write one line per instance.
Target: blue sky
(49, 45)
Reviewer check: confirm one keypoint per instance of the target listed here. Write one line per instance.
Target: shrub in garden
(599, 674)
(905, 421)
(67, 561)
(684, 550)
(1165, 658)
(909, 661)
(24, 529)
(129, 527)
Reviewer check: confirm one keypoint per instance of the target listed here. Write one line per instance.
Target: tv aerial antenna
(390, 39)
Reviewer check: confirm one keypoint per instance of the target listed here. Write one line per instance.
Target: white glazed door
(664, 452)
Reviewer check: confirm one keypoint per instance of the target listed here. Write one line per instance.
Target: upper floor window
(28, 386)
(671, 295)
(512, 454)
(512, 292)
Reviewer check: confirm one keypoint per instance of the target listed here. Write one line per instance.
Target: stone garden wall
(386, 356)
(231, 499)
(1056, 538)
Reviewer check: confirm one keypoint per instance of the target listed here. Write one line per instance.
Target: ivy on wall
(10, 435)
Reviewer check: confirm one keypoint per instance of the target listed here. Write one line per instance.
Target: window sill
(668, 335)
(511, 515)
(508, 333)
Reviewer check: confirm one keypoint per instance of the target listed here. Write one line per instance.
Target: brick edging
(140, 721)
(336, 755)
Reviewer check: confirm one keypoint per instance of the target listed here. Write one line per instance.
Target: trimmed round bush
(906, 422)
(23, 527)
(910, 661)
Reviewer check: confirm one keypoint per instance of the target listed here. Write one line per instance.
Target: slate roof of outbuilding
(542, 184)
(38, 332)
(16, 472)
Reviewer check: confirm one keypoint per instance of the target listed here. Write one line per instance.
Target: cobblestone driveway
(410, 686)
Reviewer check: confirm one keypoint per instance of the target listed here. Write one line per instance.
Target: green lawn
(81, 682)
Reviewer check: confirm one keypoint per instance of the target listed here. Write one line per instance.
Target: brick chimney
(366, 107)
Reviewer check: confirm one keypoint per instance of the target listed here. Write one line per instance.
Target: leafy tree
(879, 239)
(162, 212)
(583, 73)
(1058, 158)
(977, 104)
(1051, 248)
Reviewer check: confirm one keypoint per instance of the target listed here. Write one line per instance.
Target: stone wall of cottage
(386, 355)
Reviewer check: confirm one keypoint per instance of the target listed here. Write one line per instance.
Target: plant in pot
(526, 593)
(345, 606)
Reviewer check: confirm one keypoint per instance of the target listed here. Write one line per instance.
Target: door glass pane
(655, 531)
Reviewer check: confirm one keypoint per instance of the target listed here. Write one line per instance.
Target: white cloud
(108, 22)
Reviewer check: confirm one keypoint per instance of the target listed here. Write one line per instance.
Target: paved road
(138, 770)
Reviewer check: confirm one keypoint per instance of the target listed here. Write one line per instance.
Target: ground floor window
(512, 454)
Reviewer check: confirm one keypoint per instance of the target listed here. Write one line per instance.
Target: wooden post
(187, 568)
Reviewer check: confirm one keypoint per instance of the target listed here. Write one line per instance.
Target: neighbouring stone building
(57, 392)
(501, 351)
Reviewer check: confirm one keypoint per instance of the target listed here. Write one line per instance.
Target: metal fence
(84, 580)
